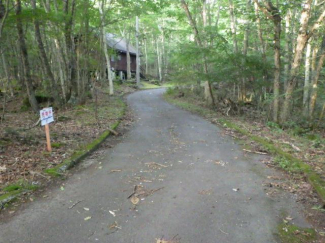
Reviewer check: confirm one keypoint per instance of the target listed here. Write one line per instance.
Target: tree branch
(317, 24)
(3, 16)
(264, 10)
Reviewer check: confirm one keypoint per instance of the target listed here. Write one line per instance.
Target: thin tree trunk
(313, 96)
(138, 52)
(159, 61)
(262, 42)
(199, 43)
(73, 88)
(128, 60)
(302, 39)
(44, 59)
(288, 48)
(273, 13)
(146, 55)
(307, 80)
(25, 62)
(233, 25)
(3, 15)
(105, 46)
(277, 71)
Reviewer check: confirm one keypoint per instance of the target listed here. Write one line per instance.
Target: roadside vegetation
(301, 155)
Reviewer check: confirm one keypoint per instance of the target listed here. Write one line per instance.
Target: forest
(255, 68)
(263, 53)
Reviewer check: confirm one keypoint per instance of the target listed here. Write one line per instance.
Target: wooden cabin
(118, 60)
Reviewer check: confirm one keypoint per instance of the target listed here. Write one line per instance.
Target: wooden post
(48, 141)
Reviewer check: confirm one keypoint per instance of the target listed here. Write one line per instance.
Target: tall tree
(43, 55)
(305, 33)
(105, 47)
(25, 62)
(273, 13)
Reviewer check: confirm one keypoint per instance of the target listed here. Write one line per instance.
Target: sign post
(46, 118)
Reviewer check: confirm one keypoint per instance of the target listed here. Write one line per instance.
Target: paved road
(185, 169)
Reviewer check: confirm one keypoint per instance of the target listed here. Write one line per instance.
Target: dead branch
(255, 152)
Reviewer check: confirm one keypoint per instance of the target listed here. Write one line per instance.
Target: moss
(78, 155)
(14, 190)
(57, 145)
(20, 186)
(289, 233)
(53, 172)
(9, 195)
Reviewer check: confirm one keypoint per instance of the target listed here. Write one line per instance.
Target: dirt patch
(23, 155)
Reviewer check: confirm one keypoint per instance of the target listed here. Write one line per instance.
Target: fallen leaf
(114, 226)
(87, 218)
(116, 171)
(135, 200)
(235, 189)
(111, 212)
(3, 168)
(87, 209)
(62, 188)
(289, 218)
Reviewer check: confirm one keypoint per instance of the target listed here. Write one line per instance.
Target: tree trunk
(105, 46)
(302, 39)
(25, 62)
(3, 15)
(307, 80)
(198, 41)
(128, 60)
(138, 52)
(44, 59)
(146, 55)
(313, 96)
(288, 48)
(73, 88)
(273, 13)
(262, 42)
(159, 62)
(233, 25)
(277, 63)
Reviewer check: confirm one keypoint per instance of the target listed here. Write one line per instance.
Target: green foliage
(289, 233)
(20, 186)
(274, 126)
(286, 164)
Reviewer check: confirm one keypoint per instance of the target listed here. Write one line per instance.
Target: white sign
(46, 116)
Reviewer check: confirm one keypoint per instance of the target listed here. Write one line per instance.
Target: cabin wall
(119, 63)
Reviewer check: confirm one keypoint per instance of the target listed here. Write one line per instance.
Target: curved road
(194, 184)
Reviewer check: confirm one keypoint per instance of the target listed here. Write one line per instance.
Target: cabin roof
(119, 44)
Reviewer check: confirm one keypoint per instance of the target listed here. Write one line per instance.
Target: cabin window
(119, 57)
(112, 58)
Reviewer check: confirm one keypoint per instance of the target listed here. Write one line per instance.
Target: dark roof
(119, 44)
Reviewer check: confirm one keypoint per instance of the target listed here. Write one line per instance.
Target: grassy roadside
(293, 164)
(147, 85)
(286, 232)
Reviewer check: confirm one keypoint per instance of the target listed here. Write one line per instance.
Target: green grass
(147, 85)
(79, 154)
(13, 190)
(20, 186)
(289, 233)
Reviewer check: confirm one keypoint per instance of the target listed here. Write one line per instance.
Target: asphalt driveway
(174, 175)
